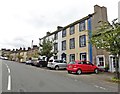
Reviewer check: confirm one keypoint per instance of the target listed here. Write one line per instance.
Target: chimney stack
(59, 27)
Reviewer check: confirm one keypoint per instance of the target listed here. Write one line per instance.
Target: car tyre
(56, 67)
(79, 71)
(41, 66)
(69, 72)
(96, 71)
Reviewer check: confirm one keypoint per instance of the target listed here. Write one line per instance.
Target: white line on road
(9, 83)
(9, 78)
(100, 87)
(96, 86)
(6, 65)
(8, 70)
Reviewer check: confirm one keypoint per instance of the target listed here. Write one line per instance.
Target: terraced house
(72, 41)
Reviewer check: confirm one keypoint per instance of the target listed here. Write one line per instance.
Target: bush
(114, 79)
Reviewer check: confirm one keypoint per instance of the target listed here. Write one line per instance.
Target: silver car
(57, 64)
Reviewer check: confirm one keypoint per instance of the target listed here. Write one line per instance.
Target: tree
(35, 54)
(107, 37)
(19, 57)
(47, 47)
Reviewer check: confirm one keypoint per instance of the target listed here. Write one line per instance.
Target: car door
(90, 67)
(64, 64)
(59, 63)
(84, 66)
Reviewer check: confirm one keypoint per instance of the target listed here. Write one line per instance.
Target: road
(17, 77)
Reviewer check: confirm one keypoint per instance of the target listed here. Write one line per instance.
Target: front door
(112, 64)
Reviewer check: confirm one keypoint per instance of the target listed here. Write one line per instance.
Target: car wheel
(69, 72)
(56, 67)
(40, 65)
(79, 71)
(96, 71)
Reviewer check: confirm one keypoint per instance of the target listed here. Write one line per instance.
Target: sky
(22, 21)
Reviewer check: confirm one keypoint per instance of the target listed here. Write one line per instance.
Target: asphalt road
(17, 77)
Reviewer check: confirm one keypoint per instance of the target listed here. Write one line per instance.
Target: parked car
(34, 62)
(28, 62)
(57, 64)
(41, 63)
(81, 67)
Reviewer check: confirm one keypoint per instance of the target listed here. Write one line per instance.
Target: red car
(81, 67)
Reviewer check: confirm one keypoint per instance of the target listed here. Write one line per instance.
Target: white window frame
(112, 69)
(97, 60)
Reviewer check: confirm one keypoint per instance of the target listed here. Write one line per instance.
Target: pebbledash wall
(72, 41)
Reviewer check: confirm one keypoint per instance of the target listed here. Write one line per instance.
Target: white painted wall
(59, 44)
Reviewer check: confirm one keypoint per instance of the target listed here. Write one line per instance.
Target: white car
(28, 62)
(57, 64)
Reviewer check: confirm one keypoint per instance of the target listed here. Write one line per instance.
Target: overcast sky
(22, 21)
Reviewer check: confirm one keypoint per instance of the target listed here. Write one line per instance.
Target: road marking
(8, 70)
(9, 83)
(96, 86)
(6, 65)
(100, 87)
(9, 78)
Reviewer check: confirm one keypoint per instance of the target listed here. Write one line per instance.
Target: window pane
(64, 45)
(56, 47)
(101, 61)
(82, 26)
(64, 33)
(83, 56)
(71, 30)
(72, 43)
(56, 36)
(82, 41)
(72, 57)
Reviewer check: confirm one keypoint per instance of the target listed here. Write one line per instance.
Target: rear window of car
(72, 62)
(57, 61)
(50, 60)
